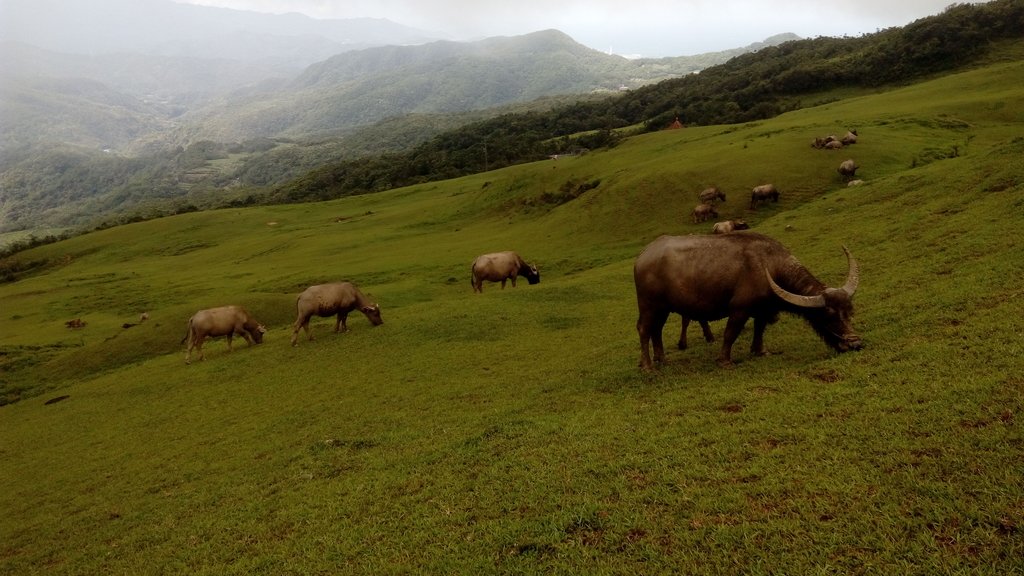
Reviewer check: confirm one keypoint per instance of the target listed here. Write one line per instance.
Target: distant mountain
(362, 87)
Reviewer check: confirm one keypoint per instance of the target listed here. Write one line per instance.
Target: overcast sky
(652, 28)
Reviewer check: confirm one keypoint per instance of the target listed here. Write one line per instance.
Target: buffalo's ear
(262, 329)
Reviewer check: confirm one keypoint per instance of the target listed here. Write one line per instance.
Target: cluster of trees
(750, 87)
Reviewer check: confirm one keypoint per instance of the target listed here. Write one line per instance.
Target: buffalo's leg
(300, 323)
(341, 324)
(647, 326)
(657, 326)
(503, 280)
(708, 336)
(732, 331)
(757, 344)
(682, 334)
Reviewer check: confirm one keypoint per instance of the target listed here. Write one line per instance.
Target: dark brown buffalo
(848, 169)
(703, 213)
(223, 321)
(711, 195)
(738, 277)
(500, 267)
(336, 299)
(763, 193)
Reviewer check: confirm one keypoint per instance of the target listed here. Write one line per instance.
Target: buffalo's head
(257, 334)
(831, 312)
(532, 274)
(373, 314)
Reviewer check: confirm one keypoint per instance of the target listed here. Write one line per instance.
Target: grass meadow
(511, 431)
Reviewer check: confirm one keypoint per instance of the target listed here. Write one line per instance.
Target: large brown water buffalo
(500, 267)
(223, 321)
(336, 299)
(736, 276)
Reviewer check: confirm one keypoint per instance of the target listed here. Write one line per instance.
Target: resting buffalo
(703, 212)
(711, 195)
(336, 299)
(763, 193)
(848, 169)
(500, 267)
(223, 321)
(736, 276)
(729, 226)
(850, 138)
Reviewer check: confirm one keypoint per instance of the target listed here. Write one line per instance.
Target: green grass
(511, 432)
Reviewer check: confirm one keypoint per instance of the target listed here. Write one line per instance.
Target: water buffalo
(500, 267)
(223, 321)
(336, 299)
(729, 226)
(849, 138)
(763, 193)
(848, 169)
(711, 195)
(738, 277)
(703, 212)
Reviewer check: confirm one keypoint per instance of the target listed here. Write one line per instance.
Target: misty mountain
(167, 28)
(358, 88)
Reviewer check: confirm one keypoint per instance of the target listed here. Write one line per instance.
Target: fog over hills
(140, 75)
(166, 28)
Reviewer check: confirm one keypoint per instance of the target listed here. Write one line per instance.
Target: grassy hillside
(511, 432)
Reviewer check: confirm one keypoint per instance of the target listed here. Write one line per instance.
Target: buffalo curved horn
(795, 299)
(852, 276)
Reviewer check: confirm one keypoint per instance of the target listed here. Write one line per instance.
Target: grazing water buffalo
(729, 226)
(223, 321)
(499, 267)
(703, 212)
(325, 300)
(711, 195)
(738, 277)
(848, 169)
(763, 193)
